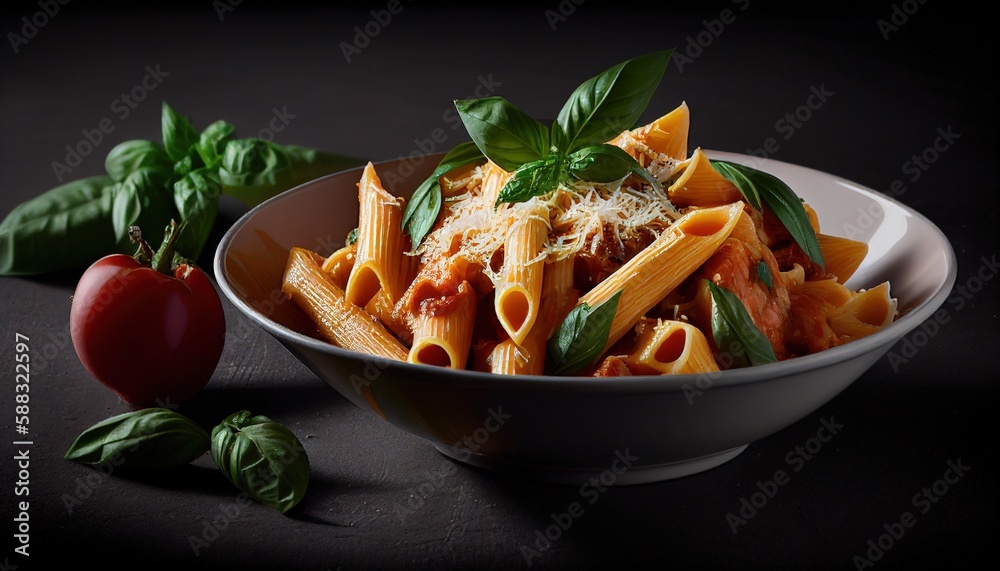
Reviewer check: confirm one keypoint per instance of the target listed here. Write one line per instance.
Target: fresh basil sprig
(734, 331)
(581, 337)
(757, 186)
(263, 458)
(541, 158)
(425, 204)
(148, 184)
(597, 111)
(146, 439)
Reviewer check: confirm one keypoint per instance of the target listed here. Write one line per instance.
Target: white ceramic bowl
(566, 429)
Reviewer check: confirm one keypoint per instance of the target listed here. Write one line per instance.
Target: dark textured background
(901, 424)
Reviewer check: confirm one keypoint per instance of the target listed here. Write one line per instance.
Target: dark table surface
(896, 75)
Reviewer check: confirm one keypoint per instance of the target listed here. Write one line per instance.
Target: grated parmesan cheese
(578, 216)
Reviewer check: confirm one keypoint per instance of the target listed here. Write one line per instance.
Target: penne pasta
(379, 251)
(841, 256)
(865, 313)
(442, 335)
(557, 299)
(663, 265)
(697, 183)
(339, 321)
(508, 261)
(339, 265)
(519, 288)
(672, 348)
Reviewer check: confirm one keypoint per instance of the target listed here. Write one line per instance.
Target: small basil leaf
(178, 133)
(143, 200)
(607, 163)
(196, 197)
(536, 178)
(146, 439)
(424, 206)
(735, 332)
(352, 237)
(504, 133)
(609, 103)
(764, 274)
(757, 185)
(262, 458)
(130, 156)
(581, 337)
(210, 142)
(66, 227)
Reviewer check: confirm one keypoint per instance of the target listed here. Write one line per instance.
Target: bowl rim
(880, 340)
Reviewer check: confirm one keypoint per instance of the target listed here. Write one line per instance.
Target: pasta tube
(519, 289)
(380, 243)
(442, 335)
(672, 348)
(663, 265)
(342, 323)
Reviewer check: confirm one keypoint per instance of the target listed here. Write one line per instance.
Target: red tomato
(152, 338)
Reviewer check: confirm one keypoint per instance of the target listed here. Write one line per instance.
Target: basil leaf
(757, 185)
(178, 134)
(536, 178)
(609, 103)
(66, 227)
(352, 237)
(607, 163)
(210, 142)
(131, 156)
(263, 458)
(581, 337)
(424, 206)
(764, 274)
(504, 133)
(146, 439)
(742, 178)
(140, 200)
(196, 197)
(735, 332)
(254, 170)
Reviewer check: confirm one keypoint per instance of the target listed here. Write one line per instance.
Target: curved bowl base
(617, 473)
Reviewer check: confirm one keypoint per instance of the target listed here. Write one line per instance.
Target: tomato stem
(144, 255)
(163, 260)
